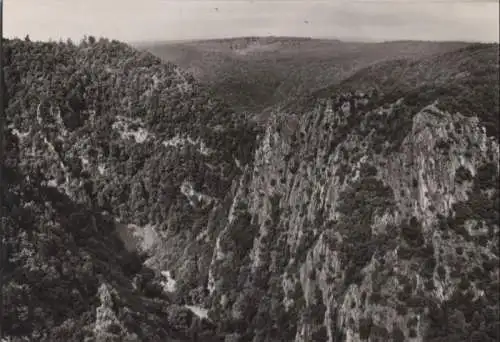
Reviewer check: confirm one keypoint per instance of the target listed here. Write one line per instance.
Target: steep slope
(252, 73)
(371, 215)
(110, 150)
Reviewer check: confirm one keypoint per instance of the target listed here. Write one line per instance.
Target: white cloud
(183, 19)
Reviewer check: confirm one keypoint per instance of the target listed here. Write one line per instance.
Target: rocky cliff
(142, 208)
(376, 213)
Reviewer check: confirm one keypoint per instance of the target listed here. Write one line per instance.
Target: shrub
(412, 233)
(320, 335)
(443, 145)
(365, 327)
(462, 175)
(398, 335)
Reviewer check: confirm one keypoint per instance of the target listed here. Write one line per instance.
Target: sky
(163, 20)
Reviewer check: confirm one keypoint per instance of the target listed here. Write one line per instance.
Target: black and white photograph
(249, 171)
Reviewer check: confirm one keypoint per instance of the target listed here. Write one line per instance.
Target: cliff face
(368, 211)
(363, 244)
(373, 215)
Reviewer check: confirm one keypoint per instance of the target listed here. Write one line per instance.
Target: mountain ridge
(269, 70)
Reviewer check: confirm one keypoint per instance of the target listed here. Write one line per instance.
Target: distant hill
(253, 73)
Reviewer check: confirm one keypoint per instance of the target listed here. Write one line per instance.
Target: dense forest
(72, 171)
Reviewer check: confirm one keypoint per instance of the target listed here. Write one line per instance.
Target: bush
(365, 327)
(320, 335)
(398, 335)
(412, 233)
(462, 175)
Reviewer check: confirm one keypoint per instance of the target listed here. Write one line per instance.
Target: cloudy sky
(147, 20)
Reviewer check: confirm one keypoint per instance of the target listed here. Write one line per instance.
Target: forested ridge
(72, 171)
(255, 73)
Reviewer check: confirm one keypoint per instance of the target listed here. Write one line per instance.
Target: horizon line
(193, 39)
